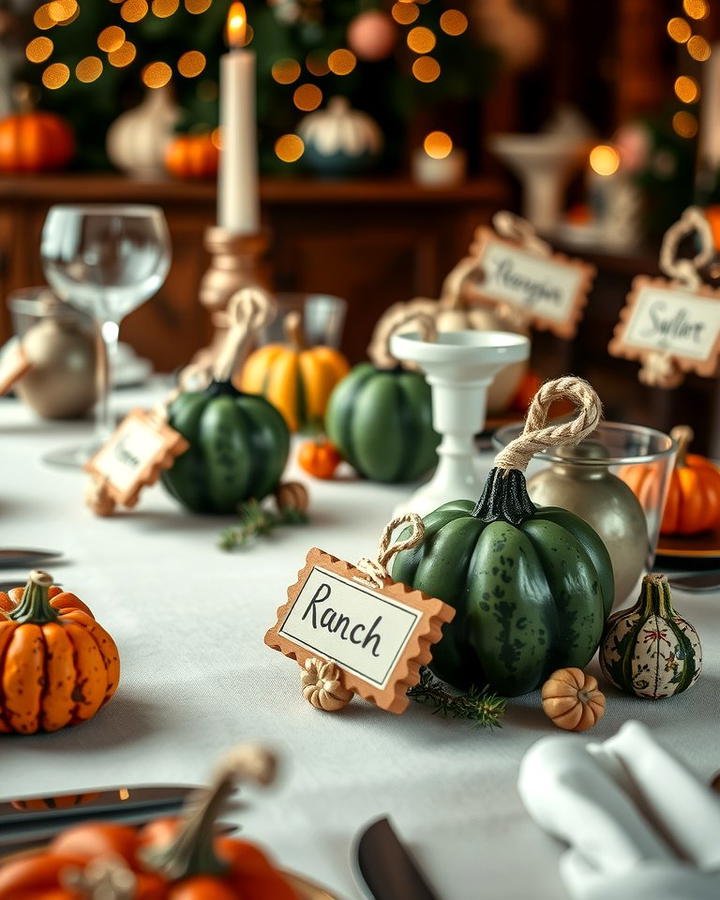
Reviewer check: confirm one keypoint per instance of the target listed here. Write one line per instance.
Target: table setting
(297, 622)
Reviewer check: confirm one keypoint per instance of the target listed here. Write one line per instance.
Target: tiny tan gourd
(572, 701)
(322, 687)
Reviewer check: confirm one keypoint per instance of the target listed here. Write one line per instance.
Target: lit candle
(238, 201)
(437, 163)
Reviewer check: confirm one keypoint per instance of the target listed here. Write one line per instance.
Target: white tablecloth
(196, 678)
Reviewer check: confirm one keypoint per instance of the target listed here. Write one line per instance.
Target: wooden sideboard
(371, 242)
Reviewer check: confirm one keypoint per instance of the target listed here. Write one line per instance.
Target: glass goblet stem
(107, 344)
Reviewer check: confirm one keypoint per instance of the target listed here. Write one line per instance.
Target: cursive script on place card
(135, 454)
(661, 316)
(13, 366)
(551, 289)
(378, 637)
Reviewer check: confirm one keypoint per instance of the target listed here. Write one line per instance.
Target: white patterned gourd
(340, 140)
(649, 650)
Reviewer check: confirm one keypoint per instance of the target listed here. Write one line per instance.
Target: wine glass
(106, 261)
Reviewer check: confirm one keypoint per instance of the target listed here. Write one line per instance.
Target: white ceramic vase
(137, 139)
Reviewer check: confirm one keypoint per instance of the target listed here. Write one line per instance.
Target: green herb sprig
(257, 521)
(481, 707)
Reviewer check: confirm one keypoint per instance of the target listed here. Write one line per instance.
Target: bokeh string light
(687, 89)
(289, 148)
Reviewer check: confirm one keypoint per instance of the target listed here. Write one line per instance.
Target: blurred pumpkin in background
(693, 499)
(192, 156)
(34, 141)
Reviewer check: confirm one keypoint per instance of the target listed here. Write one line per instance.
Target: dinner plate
(697, 550)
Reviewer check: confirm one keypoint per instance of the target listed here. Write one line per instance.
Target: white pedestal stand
(460, 366)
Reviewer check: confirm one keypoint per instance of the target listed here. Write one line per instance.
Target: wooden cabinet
(370, 242)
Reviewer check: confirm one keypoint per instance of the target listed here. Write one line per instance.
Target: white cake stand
(460, 367)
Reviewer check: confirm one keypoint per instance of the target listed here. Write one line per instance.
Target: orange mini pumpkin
(319, 458)
(34, 141)
(58, 667)
(297, 380)
(693, 500)
(571, 699)
(168, 859)
(192, 156)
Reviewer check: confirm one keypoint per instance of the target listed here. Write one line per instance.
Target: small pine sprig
(257, 521)
(482, 707)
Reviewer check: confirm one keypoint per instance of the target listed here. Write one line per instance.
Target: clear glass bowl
(627, 445)
(323, 317)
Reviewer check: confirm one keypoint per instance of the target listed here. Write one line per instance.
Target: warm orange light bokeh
(236, 28)
(604, 160)
(438, 144)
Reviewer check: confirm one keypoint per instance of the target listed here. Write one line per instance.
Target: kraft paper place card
(13, 366)
(135, 455)
(378, 637)
(661, 316)
(551, 289)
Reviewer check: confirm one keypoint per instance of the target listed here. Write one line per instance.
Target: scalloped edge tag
(134, 455)
(379, 651)
(551, 290)
(640, 332)
(14, 365)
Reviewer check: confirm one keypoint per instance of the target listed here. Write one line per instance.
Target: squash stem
(192, 851)
(504, 498)
(683, 435)
(294, 331)
(35, 608)
(656, 596)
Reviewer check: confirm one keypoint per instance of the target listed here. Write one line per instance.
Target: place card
(13, 366)
(551, 289)
(378, 637)
(135, 455)
(661, 316)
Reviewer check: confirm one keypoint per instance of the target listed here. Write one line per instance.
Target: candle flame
(236, 25)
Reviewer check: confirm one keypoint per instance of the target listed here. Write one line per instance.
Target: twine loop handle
(375, 570)
(515, 228)
(537, 435)
(682, 269)
(248, 310)
(393, 322)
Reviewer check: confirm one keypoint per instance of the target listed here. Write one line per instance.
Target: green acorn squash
(532, 587)
(381, 422)
(239, 446)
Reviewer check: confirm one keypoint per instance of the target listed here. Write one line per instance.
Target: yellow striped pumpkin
(298, 381)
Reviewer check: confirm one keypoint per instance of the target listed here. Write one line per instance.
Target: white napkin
(640, 826)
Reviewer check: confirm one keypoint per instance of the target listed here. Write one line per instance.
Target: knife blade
(386, 867)
(82, 804)
(16, 846)
(10, 557)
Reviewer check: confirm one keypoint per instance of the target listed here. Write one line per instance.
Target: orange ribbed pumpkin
(57, 665)
(693, 500)
(192, 156)
(35, 142)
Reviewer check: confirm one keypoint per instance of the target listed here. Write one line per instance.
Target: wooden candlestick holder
(238, 261)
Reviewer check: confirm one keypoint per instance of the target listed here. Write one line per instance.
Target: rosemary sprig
(257, 521)
(482, 707)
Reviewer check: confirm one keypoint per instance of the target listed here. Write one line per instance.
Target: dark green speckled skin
(381, 422)
(239, 446)
(530, 598)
